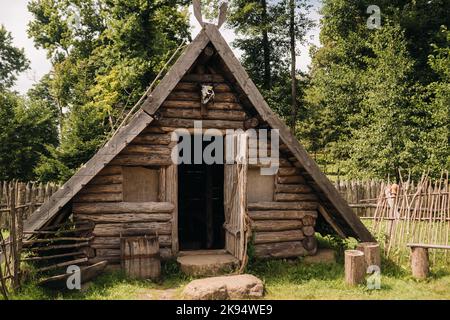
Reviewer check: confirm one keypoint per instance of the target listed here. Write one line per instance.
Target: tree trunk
(354, 267)
(419, 263)
(371, 252)
(266, 48)
(293, 65)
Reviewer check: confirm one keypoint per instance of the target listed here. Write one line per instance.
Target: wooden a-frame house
(131, 184)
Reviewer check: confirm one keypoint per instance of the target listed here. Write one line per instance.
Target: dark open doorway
(200, 206)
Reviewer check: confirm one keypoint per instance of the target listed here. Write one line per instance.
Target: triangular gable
(150, 106)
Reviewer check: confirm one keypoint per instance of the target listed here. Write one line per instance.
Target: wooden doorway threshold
(201, 252)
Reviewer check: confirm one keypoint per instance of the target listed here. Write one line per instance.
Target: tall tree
(105, 53)
(12, 60)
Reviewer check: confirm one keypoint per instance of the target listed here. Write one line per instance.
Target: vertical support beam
(162, 185)
(172, 197)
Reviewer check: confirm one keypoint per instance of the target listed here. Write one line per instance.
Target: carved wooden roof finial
(222, 12)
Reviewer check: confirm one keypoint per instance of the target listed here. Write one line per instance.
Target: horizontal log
(195, 96)
(63, 264)
(138, 149)
(194, 77)
(61, 246)
(224, 106)
(260, 206)
(291, 180)
(124, 207)
(56, 256)
(153, 129)
(114, 242)
(153, 139)
(125, 217)
(282, 215)
(292, 197)
(280, 250)
(281, 236)
(276, 225)
(116, 229)
(107, 188)
(210, 124)
(209, 115)
(292, 188)
(110, 170)
(113, 179)
(196, 87)
(142, 160)
(98, 197)
(283, 172)
(165, 253)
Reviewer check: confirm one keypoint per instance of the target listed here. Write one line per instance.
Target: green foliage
(372, 103)
(12, 60)
(27, 128)
(104, 54)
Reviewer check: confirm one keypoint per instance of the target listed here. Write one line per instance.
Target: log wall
(282, 228)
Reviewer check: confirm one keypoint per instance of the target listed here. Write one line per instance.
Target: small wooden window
(140, 184)
(260, 188)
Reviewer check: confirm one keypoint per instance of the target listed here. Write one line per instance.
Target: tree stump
(419, 262)
(371, 252)
(355, 267)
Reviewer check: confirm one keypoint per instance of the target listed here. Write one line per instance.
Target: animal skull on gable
(207, 94)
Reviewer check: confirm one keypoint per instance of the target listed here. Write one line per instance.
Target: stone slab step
(223, 288)
(207, 264)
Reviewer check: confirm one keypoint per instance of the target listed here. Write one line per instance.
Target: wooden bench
(420, 264)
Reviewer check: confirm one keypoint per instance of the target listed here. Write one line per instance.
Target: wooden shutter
(235, 200)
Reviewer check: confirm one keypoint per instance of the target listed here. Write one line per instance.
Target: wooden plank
(99, 197)
(125, 217)
(260, 206)
(224, 106)
(276, 225)
(195, 96)
(292, 188)
(212, 124)
(193, 77)
(280, 236)
(280, 250)
(116, 229)
(428, 246)
(172, 196)
(293, 197)
(281, 214)
(114, 242)
(107, 188)
(140, 184)
(153, 139)
(142, 149)
(210, 115)
(106, 180)
(123, 207)
(142, 160)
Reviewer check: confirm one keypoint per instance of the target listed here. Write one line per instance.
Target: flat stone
(207, 264)
(322, 256)
(223, 288)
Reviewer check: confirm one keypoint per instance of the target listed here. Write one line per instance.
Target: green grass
(284, 279)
